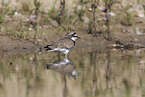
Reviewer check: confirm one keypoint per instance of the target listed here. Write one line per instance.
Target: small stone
(39, 40)
(86, 19)
(90, 9)
(33, 16)
(139, 20)
(54, 22)
(79, 7)
(136, 40)
(111, 13)
(31, 58)
(138, 32)
(16, 13)
(30, 29)
(123, 30)
(40, 53)
(138, 10)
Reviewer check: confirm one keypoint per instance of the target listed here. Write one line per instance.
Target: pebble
(111, 13)
(138, 32)
(136, 40)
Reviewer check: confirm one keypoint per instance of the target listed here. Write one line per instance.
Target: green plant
(92, 23)
(37, 6)
(90, 27)
(35, 23)
(80, 12)
(127, 19)
(4, 11)
(25, 6)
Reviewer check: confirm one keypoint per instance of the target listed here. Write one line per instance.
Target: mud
(87, 43)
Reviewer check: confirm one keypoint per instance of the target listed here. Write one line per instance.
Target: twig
(94, 19)
(62, 11)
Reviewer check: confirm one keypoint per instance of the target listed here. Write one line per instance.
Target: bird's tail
(47, 47)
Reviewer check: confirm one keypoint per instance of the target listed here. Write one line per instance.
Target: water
(106, 73)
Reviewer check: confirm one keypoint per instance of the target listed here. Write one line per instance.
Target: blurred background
(92, 69)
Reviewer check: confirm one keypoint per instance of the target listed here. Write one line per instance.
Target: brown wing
(63, 43)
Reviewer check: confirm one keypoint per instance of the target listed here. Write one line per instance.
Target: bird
(63, 45)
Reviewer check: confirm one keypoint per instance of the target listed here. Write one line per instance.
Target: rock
(126, 31)
(16, 13)
(101, 19)
(136, 39)
(111, 13)
(79, 7)
(138, 32)
(90, 9)
(123, 30)
(53, 22)
(125, 3)
(33, 16)
(138, 10)
(140, 20)
(86, 19)
(18, 16)
(30, 29)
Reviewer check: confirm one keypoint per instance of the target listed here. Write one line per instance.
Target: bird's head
(73, 36)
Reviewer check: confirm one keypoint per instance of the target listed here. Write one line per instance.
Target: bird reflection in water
(64, 67)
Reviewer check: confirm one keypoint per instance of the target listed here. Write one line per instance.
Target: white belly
(61, 50)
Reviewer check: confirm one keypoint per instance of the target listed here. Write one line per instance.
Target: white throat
(73, 38)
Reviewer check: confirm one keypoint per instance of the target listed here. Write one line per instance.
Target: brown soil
(13, 46)
(87, 43)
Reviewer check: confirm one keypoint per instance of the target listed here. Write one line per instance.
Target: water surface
(106, 73)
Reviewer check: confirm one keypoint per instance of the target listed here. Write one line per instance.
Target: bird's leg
(58, 55)
(66, 56)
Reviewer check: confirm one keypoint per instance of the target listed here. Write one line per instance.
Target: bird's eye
(72, 35)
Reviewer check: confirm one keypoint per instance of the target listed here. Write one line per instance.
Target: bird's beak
(78, 37)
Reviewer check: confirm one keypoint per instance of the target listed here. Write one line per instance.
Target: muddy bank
(9, 45)
(87, 43)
